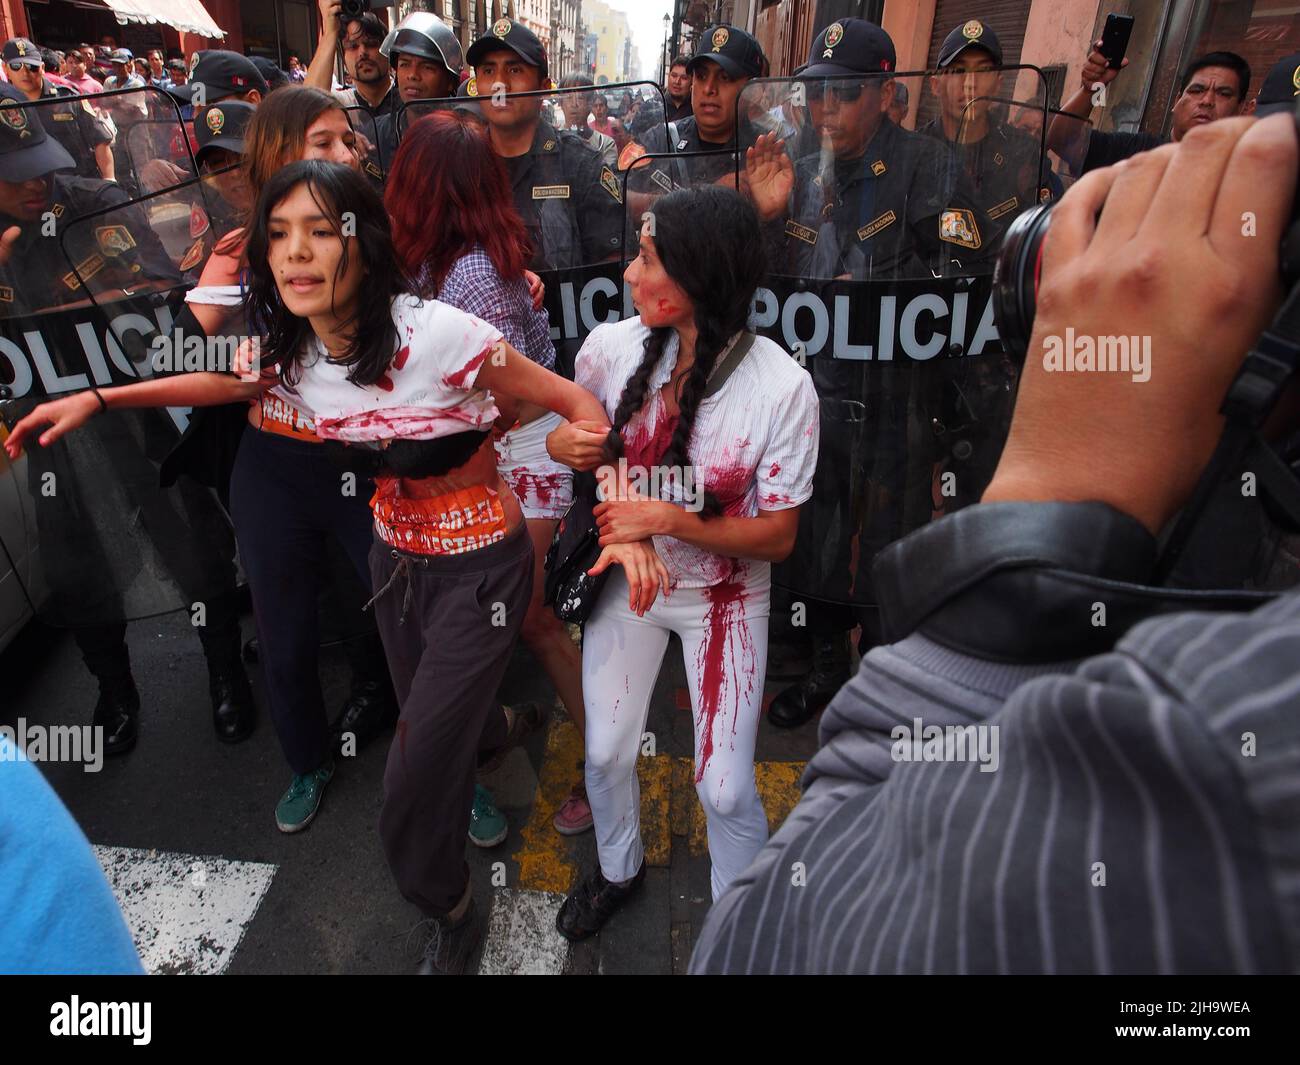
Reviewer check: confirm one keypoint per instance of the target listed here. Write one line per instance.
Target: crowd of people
(380, 251)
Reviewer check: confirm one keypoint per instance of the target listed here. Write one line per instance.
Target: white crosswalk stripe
(187, 912)
(521, 935)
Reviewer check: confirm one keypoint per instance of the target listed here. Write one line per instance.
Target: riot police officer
(74, 124)
(1002, 167)
(887, 203)
(426, 59)
(728, 59)
(571, 202)
(112, 252)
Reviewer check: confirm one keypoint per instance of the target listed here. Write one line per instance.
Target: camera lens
(353, 9)
(1015, 278)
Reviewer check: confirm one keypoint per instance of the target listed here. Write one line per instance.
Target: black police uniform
(664, 175)
(894, 211)
(74, 125)
(571, 202)
(117, 250)
(1004, 173)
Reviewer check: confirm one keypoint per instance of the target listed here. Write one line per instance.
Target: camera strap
(1254, 393)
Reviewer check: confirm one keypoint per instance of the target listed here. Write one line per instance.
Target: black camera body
(354, 9)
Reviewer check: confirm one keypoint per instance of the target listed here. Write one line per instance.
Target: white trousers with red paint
(723, 632)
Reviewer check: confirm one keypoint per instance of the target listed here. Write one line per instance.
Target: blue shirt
(57, 912)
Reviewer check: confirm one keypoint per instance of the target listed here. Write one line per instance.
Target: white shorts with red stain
(543, 486)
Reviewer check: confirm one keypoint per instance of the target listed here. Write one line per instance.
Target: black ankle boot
(233, 711)
(116, 712)
(371, 709)
(801, 702)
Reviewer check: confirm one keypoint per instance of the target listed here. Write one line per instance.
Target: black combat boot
(801, 702)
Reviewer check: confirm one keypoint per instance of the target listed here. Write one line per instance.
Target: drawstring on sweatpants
(402, 569)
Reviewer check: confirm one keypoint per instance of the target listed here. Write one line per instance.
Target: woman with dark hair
(460, 238)
(728, 422)
(398, 386)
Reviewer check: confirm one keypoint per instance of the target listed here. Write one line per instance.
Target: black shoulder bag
(570, 590)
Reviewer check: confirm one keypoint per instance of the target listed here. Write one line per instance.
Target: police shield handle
(61, 415)
(579, 445)
(769, 175)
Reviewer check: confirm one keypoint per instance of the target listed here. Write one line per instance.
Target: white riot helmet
(424, 34)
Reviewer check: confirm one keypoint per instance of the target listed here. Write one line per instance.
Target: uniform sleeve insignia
(6, 294)
(610, 183)
(999, 209)
(720, 38)
(550, 192)
(549, 146)
(973, 30)
(215, 118)
(193, 256)
(114, 240)
(878, 167)
(876, 225)
(198, 221)
(501, 27)
(630, 154)
(957, 226)
(662, 180)
(471, 87)
(794, 229)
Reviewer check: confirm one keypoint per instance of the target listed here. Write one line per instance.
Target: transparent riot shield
(96, 288)
(568, 187)
(376, 139)
(879, 259)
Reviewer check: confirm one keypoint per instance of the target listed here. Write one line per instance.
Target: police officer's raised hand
(1095, 68)
(1184, 258)
(769, 176)
(7, 241)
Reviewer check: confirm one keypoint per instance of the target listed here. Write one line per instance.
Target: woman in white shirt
(748, 440)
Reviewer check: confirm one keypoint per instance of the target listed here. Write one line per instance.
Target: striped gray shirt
(1144, 816)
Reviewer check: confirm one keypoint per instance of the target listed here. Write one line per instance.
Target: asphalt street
(185, 829)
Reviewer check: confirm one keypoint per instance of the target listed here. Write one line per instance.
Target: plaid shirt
(474, 286)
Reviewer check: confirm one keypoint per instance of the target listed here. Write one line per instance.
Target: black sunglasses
(15, 65)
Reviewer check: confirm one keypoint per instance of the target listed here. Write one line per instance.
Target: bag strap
(727, 366)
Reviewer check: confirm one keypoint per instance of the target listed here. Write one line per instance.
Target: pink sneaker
(574, 817)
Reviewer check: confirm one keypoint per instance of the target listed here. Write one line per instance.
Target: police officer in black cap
(113, 252)
(74, 124)
(217, 75)
(1281, 88)
(426, 59)
(571, 202)
(885, 205)
(728, 58)
(1003, 168)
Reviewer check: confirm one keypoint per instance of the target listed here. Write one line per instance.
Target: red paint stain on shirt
(776, 468)
(458, 379)
(399, 360)
(385, 383)
(645, 448)
(726, 661)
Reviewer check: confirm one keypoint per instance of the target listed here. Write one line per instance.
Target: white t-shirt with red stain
(427, 392)
(753, 444)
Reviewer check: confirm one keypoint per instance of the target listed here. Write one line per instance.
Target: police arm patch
(957, 226)
(876, 225)
(610, 183)
(799, 232)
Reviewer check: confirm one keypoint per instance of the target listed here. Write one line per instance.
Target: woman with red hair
(460, 239)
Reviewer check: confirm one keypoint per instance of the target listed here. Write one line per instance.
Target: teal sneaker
(299, 804)
(487, 824)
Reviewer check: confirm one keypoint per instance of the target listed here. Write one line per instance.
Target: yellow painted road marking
(669, 807)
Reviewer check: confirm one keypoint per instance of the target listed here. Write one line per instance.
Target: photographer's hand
(1185, 255)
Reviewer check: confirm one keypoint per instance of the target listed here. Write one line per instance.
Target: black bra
(408, 458)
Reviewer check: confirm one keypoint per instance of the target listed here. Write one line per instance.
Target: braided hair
(709, 242)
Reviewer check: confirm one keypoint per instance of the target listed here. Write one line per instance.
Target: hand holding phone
(1114, 39)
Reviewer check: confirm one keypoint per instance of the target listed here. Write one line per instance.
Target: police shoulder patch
(957, 226)
(193, 256)
(114, 240)
(610, 183)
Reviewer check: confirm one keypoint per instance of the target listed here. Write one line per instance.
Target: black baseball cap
(21, 50)
(1281, 86)
(26, 151)
(222, 126)
(971, 34)
(221, 74)
(850, 46)
(271, 74)
(513, 36)
(120, 55)
(734, 50)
